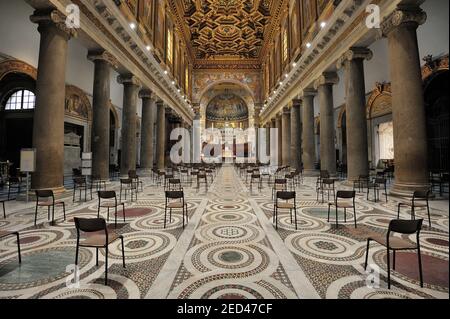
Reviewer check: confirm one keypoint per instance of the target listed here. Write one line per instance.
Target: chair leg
(76, 253)
(123, 212)
(4, 210)
(115, 216)
(429, 215)
(165, 216)
(393, 259)
(123, 252)
(64, 211)
(295, 217)
(389, 268)
(420, 265)
(35, 215)
(329, 208)
(354, 215)
(106, 265)
(96, 256)
(367, 253)
(398, 213)
(18, 248)
(345, 215)
(337, 221)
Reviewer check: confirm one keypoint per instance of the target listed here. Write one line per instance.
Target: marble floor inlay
(229, 249)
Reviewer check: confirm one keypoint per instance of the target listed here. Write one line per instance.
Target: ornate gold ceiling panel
(227, 30)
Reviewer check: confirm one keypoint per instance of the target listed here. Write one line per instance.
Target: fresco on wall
(309, 14)
(202, 80)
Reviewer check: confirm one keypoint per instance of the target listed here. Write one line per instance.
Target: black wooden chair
(127, 185)
(256, 178)
(108, 200)
(326, 185)
(136, 180)
(377, 185)
(49, 202)
(4, 234)
(81, 184)
(175, 184)
(345, 200)
(175, 200)
(287, 205)
(420, 199)
(361, 183)
(280, 184)
(96, 241)
(14, 183)
(202, 178)
(406, 227)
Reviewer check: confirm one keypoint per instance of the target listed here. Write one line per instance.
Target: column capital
(105, 56)
(296, 102)
(354, 53)
(308, 92)
(327, 78)
(53, 18)
(128, 79)
(159, 102)
(404, 15)
(146, 94)
(286, 110)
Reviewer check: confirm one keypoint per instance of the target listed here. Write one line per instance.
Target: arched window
(21, 100)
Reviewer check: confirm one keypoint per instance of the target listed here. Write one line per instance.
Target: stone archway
(17, 66)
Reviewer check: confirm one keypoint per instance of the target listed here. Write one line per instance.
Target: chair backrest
(132, 174)
(286, 195)
(421, 194)
(403, 226)
(364, 177)
(79, 180)
(107, 194)
(126, 181)
(381, 181)
(174, 181)
(89, 225)
(174, 194)
(168, 176)
(256, 175)
(44, 193)
(280, 181)
(345, 194)
(324, 174)
(14, 180)
(328, 181)
(76, 172)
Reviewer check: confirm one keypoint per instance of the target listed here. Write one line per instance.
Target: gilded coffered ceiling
(227, 30)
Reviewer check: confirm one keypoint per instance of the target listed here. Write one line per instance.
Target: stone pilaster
(160, 134)
(324, 85)
(408, 110)
(48, 127)
(103, 62)
(357, 146)
(128, 156)
(286, 141)
(308, 136)
(296, 137)
(279, 126)
(148, 107)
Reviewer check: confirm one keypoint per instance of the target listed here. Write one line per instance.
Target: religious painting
(75, 107)
(321, 5)
(277, 67)
(160, 26)
(309, 14)
(295, 26)
(146, 12)
(227, 107)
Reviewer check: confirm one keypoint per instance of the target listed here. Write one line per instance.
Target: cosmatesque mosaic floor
(230, 249)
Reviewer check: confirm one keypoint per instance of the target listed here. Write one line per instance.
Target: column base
(407, 190)
(310, 173)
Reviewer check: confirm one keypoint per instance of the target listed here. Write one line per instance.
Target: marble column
(160, 134)
(103, 62)
(324, 85)
(308, 135)
(296, 137)
(408, 110)
(130, 96)
(48, 127)
(148, 107)
(280, 139)
(355, 91)
(286, 141)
